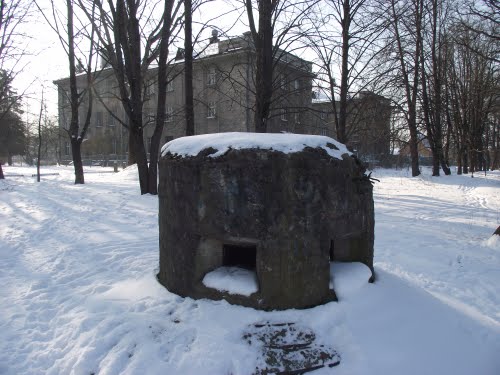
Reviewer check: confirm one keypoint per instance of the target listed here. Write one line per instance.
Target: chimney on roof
(180, 54)
(104, 59)
(215, 36)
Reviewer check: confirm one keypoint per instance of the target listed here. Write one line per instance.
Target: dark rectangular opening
(243, 256)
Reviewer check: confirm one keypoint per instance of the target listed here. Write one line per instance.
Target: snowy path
(79, 295)
(445, 221)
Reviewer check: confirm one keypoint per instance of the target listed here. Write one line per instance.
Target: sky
(44, 62)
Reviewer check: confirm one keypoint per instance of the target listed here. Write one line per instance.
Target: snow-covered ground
(79, 294)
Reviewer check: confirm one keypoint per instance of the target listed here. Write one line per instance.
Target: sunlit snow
(222, 142)
(79, 291)
(234, 280)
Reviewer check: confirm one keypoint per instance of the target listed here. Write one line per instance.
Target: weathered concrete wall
(292, 207)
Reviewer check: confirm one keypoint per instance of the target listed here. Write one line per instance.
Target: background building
(368, 126)
(224, 98)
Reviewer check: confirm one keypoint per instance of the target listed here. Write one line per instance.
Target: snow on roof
(222, 142)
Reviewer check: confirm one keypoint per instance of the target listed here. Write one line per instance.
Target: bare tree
(272, 38)
(346, 37)
(472, 95)
(432, 78)
(188, 66)
(406, 28)
(169, 14)
(76, 95)
(487, 14)
(131, 39)
(39, 149)
(263, 41)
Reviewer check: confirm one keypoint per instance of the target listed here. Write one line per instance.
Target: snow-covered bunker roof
(222, 142)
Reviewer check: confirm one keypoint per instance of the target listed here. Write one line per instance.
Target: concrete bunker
(274, 209)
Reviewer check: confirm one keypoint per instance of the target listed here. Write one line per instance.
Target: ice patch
(233, 280)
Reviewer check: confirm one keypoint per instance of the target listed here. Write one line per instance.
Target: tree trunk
(137, 148)
(411, 89)
(465, 163)
(412, 125)
(75, 139)
(162, 95)
(263, 41)
(431, 136)
(459, 162)
(188, 67)
(77, 160)
(1, 172)
(346, 22)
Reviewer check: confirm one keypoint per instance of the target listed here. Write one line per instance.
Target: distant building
(368, 123)
(224, 99)
(224, 96)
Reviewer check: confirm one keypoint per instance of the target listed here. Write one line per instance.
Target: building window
(98, 119)
(149, 90)
(149, 116)
(297, 118)
(113, 146)
(283, 81)
(322, 131)
(211, 77)
(169, 114)
(322, 115)
(66, 148)
(109, 86)
(212, 110)
(111, 120)
(64, 99)
(170, 85)
(284, 115)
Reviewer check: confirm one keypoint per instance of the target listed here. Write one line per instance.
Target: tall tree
(406, 24)
(472, 88)
(487, 14)
(277, 29)
(77, 94)
(346, 38)
(123, 26)
(40, 139)
(263, 40)
(188, 66)
(432, 77)
(170, 11)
